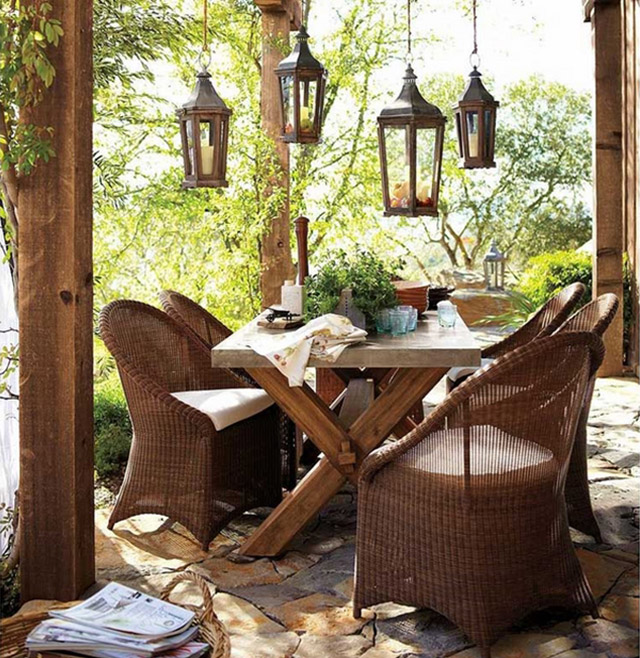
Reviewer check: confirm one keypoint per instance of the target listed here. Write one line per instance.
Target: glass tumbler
(447, 314)
(383, 321)
(412, 313)
(399, 321)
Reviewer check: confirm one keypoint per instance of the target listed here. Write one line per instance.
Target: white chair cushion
(464, 371)
(227, 406)
(491, 451)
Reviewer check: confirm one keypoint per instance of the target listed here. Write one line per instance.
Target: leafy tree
(532, 202)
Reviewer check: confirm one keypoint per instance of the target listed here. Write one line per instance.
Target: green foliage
(520, 309)
(112, 429)
(547, 274)
(27, 31)
(366, 274)
(9, 582)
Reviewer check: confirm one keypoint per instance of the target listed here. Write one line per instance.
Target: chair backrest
(196, 319)
(146, 342)
(596, 316)
(533, 394)
(543, 322)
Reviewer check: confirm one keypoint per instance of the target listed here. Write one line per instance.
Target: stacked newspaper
(119, 622)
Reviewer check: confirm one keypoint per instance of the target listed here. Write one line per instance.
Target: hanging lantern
(302, 81)
(475, 116)
(204, 128)
(494, 264)
(410, 138)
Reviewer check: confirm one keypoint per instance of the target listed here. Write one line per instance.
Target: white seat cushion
(227, 406)
(464, 371)
(491, 451)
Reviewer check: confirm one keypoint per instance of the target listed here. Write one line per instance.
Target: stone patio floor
(299, 605)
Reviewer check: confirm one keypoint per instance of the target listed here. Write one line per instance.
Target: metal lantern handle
(204, 59)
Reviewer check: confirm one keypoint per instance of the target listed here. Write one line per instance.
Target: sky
(516, 38)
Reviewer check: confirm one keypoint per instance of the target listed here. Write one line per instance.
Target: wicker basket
(14, 630)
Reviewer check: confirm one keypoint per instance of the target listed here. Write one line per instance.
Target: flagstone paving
(299, 606)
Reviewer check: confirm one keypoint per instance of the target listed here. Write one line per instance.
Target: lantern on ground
(204, 129)
(494, 264)
(410, 137)
(475, 117)
(302, 80)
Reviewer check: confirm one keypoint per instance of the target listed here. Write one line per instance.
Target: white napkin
(324, 338)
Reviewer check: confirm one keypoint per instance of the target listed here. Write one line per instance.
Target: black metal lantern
(475, 117)
(204, 129)
(302, 81)
(494, 264)
(410, 138)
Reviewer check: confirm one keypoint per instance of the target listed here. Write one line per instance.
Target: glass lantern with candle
(410, 138)
(475, 117)
(494, 264)
(204, 129)
(302, 83)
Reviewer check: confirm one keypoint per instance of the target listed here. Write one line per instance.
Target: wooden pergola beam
(56, 329)
(608, 231)
(278, 18)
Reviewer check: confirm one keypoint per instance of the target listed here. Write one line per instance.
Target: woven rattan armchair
(180, 466)
(465, 515)
(208, 331)
(542, 323)
(596, 316)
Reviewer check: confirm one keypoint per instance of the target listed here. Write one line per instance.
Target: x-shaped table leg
(324, 428)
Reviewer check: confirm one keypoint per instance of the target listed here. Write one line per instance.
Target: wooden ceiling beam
(293, 8)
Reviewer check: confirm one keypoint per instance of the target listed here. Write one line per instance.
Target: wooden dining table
(385, 376)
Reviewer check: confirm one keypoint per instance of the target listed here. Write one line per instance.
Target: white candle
(473, 145)
(207, 160)
(305, 124)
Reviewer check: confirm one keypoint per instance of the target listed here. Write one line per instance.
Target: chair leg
(357, 612)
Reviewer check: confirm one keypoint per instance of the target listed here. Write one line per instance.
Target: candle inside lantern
(207, 160)
(473, 145)
(305, 124)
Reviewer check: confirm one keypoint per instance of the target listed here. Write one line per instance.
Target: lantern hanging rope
(410, 139)
(475, 114)
(204, 126)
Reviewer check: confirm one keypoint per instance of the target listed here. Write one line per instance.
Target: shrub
(112, 429)
(549, 273)
(9, 581)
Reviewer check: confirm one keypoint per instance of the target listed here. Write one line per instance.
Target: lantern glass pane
(190, 152)
(472, 133)
(397, 150)
(425, 163)
(207, 133)
(308, 96)
(488, 130)
(459, 134)
(286, 89)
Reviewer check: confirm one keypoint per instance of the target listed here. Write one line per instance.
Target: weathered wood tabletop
(385, 377)
(430, 346)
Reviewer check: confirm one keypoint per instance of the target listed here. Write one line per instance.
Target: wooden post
(608, 216)
(278, 16)
(631, 165)
(56, 338)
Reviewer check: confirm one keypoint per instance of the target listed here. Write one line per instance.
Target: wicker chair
(465, 515)
(180, 465)
(208, 331)
(542, 323)
(596, 316)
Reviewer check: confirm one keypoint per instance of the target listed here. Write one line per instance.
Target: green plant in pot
(364, 273)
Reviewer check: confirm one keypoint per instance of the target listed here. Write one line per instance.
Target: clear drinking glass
(447, 314)
(412, 314)
(383, 322)
(399, 321)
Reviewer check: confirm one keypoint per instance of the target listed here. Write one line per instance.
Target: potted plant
(368, 277)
